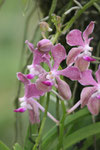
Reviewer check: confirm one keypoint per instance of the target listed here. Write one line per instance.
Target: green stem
(57, 111)
(97, 54)
(74, 92)
(43, 123)
(98, 58)
(56, 37)
(60, 97)
(97, 7)
(78, 14)
(94, 137)
(25, 34)
(73, 19)
(61, 127)
(53, 7)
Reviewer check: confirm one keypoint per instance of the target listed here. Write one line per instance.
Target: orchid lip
(98, 96)
(48, 83)
(88, 58)
(21, 110)
(30, 76)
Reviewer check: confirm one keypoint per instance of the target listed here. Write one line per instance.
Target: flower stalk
(43, 123)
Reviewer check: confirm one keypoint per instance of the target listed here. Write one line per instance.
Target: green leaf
(17, 147)
(89, 142)
(81, 134)
(3, 146)
(52, 133)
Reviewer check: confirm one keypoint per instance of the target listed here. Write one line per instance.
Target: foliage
(71, 129)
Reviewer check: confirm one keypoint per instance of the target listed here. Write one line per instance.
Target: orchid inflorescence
(78, 62)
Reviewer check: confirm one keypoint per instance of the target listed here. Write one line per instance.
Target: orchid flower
(47, 79)
(81, 55)
(90, 95)
(29, 103)
(40, 54)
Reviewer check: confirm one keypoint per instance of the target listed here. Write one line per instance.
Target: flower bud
(44, 45)
(44, 26)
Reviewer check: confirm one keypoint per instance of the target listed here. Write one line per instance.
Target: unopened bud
(44, 26)
(44, 45)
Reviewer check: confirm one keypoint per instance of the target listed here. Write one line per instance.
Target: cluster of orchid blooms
(78, 61)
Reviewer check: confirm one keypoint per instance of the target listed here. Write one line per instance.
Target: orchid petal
(98, 74)
(82, 64)
(22, 78)
(63, 89)
(40, 85)
(94, 105)
(71, 72)
(74, 38)
(88, 31)
(59, 54)
(72, 55)
(32, 91)
(34, 112)
(87, 78)
(30, 46)
(40, 57)
(86, 94)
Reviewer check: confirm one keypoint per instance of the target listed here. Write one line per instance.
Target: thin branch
(53, 7)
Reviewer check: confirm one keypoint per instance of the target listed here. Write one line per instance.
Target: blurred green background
(11, 33)
(12, 23)
(13, 16)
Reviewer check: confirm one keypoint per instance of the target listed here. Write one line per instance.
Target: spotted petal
(22, 78)
(59, 54)
(88, 31)
(34, 112)
(71, 72)
(94, 105)
(32, 91)
(87, 78)
(82, 64)
(30, 46)
(72, 55)
(98, 74)
(86, 94)
(40, 83)
(40, 57)
(74, 38)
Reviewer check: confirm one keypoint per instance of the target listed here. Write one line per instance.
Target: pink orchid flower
(81, 55)
(29, 103)
(90, 96)
(47, 79)
(40, 54)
